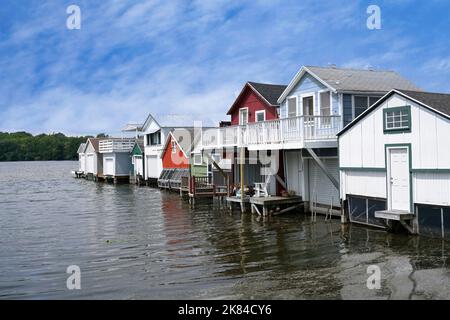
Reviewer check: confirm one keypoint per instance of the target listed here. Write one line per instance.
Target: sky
(132, 58)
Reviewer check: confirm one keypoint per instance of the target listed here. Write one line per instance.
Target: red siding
(253, 102)
(174, 160)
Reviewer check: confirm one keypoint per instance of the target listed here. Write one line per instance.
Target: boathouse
(316, 105)
(94, 160)
(81, 159)
(256, 104)
(116, 158)
(137, 162)
(155, 131)
(176, 158)
(395, 163)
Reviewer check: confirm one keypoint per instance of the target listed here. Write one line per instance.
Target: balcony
(116, 145)
(287, 133)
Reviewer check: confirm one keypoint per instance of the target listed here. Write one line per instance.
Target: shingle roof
(362, 80)
(270, 92)
(438, 101)
(94, 142)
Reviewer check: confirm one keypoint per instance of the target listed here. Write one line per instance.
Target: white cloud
(131, 58)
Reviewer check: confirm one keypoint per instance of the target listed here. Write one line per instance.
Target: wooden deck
(275, 205)
(265, 206)
(394, 215)
(201, 187)
(243, 203)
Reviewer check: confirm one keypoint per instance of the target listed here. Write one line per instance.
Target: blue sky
(131, 58)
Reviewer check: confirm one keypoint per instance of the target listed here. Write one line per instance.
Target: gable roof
(436, 102)
(352, 80)
(94, 142)
(81, 148)
(140, 144)
(186, 144)
(269, 93)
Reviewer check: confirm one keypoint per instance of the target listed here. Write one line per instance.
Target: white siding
(363, 146)
(82, 161)
(91, 163)
(294, 172)
(364, 183)
(153, 167)
(432, 188)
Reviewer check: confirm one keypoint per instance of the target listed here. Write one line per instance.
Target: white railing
(116, 145)
(279, 131)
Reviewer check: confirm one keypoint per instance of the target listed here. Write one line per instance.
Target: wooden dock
(265, 206)
(201, 187)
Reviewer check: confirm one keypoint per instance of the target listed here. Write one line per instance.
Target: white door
(138, 165)
(321, 189)
(398, 179)
(90, 163)
(293, 171)
(82, 163)
(108, 169)
(152, 167)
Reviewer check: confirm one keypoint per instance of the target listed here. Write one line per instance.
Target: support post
(242, 151)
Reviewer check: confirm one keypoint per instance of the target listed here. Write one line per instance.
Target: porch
(288, 133)
(116, 145)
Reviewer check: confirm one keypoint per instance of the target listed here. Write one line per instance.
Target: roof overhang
(248, 85)
(297, 79)
(132, 127)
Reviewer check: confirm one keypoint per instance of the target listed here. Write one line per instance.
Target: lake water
(141, 243)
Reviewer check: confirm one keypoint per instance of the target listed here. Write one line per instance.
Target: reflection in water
(138, 243)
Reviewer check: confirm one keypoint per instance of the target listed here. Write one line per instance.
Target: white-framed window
(292, 107)
(362, 103)
(325, 103)
(397, 119)
(308, 104)
(174, 147)
(260, 116)
(243, 116)
(198, 159)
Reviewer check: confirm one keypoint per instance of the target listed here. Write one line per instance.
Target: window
(308, 106)
(260, 116)
(325, 104)
(362, 103)
(397, 119)
(174, 146)
(243, 116)
(198, 160)
(155, 138)
(292, 107)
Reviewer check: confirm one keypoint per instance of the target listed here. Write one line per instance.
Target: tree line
(23, 146)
